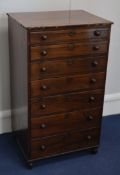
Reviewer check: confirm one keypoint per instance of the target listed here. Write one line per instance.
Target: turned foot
(94, 150)
(30, 165)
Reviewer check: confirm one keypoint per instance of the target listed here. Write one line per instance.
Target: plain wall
(109, 9)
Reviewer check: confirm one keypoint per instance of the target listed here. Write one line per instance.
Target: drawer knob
(44, 37)
(90, 117)
(70, 61)
(97, 33)
(43, 106)
(71, 46)
(66, 116)
(93, 80)
(43, 69)
(94, 64)
(44, 52)
(43, 126)
(44, 87)
(92, 98)
(89, 137)
(96, 48)
(43, 147)
(71, 33)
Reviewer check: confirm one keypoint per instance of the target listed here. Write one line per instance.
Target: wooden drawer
(60, 85)
(59, 123)
(68, 50)
(40, 70)
(73, 34)
(67, 102)
(67, 142)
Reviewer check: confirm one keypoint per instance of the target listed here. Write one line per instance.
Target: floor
(105, 162)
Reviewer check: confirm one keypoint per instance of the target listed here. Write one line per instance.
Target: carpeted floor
(106, 162)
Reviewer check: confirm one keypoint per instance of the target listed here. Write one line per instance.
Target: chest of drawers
(58, 63)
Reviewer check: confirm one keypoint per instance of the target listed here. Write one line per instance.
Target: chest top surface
(57, 18)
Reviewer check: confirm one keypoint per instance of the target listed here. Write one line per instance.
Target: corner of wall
(111, 104)
(5, 121)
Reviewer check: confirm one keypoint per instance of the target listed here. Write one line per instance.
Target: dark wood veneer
(70, 35)
(42, 126)
(58, 63)
(66, 102)
(19, 83)
(66, 142)
(57, 68)
(68, 50)
(67, 84)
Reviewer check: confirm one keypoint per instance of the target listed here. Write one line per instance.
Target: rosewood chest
(58, 63)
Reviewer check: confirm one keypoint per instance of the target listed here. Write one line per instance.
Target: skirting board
(5, 121)
(111, 106)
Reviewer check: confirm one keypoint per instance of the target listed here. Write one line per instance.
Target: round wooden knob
(43, 106)
(44, 87)
(71, 46)
(43, 147)
(66, 116)
(93, 80)
(94, 64)
(89, 137)
(90, 117)
(44, 37)
(44, 52)
(70, 61)
(96, 48)
(92, 98)
(43, 69)
(71, 33)
(43, 126)
(97, 33)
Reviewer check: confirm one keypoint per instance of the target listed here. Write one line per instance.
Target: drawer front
(60, 85)
(59, 123)
(67, 142)
(68, 35)
(56, 68)
(67, 102)
(67, 50)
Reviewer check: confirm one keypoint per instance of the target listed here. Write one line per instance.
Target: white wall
(109, 9)
(105, 8)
